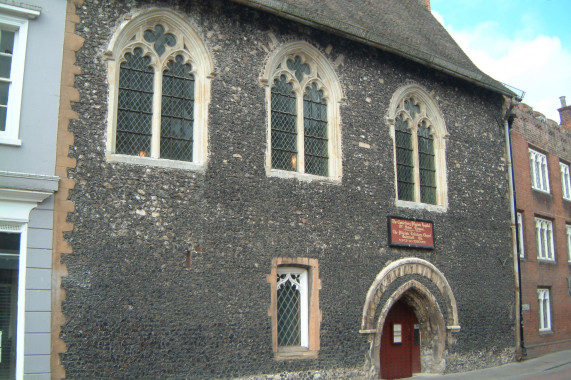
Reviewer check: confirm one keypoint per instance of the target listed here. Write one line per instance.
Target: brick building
(541, 158)
(260, 187)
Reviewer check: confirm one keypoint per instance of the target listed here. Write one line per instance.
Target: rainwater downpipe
(520, 347)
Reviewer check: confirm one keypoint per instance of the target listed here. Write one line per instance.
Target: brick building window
(539, 172)
(544, 309)
(568, 228)
(419, 136)
(520, 238)
(159, 91)
(294, 308)
(303, 95)
(544, 235)
(565, 181)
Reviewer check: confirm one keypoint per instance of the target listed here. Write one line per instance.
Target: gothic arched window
(159, 74)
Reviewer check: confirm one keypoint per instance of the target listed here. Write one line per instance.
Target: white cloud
(538, 65)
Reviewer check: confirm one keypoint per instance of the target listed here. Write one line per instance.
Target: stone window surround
(544, 309)
(314, 317)
(15, 18)
(544, 239)
(190, 45)
(565, 181)
(328, 82)
(428, 111)
(534, 156)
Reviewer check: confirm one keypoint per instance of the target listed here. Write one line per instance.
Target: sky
(523, 43)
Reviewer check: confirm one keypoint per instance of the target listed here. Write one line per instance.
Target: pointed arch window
(419, 138)
(159, 92)
(303, 103)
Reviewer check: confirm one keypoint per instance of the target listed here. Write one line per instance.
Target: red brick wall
(532, 130)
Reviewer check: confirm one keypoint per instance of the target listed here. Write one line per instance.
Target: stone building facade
(541, 158)
(242, 223)
(31, 39)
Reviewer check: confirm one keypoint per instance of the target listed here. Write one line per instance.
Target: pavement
(553, 366)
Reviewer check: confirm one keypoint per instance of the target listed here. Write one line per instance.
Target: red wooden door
(400, 348)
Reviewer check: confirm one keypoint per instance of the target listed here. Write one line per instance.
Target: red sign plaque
(414, 233)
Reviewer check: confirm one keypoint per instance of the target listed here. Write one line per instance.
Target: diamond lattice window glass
(137, 129)
(284, 125)
(405, 160)
(544, 308)
(292, 307)
(135, 106)
(415, 153)
(539, 172)
(315, 131)
(544, 237)
(300, 128)
(426, 168)
(159, 92)
(177, 111)
(565, 181)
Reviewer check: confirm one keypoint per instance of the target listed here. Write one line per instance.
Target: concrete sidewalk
(554, 366)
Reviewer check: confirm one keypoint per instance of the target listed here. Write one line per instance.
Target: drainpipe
(520, 348)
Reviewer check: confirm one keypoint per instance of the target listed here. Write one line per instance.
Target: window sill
(9, 141)
(291, 353)
(420, 206)
(303, 176)
(546, 261)
(546, 332)
(156, 162)
(541, 190)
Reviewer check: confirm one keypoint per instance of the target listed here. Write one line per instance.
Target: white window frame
(304, 301)
(128, 37)
(22, 229)
(430, 112)
(565, 181)
(568, 228)
(15, 19)
(520, 237)
(322, 73)
(539, 168)
(545, 241)
(544, 309)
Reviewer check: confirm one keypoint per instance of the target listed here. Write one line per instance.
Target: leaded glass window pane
(315, 131)
(135, 109)
(177, 109)
(412, 108)
(427, 168)
(405, 161)
(298, 67)
(160, 39)
(289, 308)
(284, 125)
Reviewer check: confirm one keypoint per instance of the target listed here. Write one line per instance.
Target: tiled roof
(403, 27)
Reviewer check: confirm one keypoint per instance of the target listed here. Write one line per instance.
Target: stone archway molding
(399, 268)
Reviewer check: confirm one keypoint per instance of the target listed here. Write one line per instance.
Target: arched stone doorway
(435, 327)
